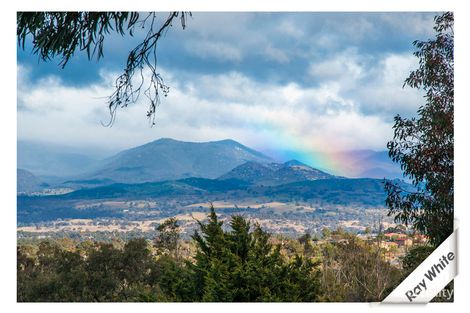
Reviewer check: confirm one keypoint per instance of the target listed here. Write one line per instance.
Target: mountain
(369, 163)
(250, 172)
(53, 162)
(353, 163)
(377, 164)
(169, 159)
(28, 182)
(272, 174)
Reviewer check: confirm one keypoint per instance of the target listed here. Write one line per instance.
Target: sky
(309, 85)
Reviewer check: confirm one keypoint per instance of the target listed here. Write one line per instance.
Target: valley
(289, 209)
(291, 219)
(288, 198)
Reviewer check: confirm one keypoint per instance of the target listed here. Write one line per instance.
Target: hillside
(171, 195)
(51, 160)
(168, 159)
(28, 182)
(272, 174)
(359, 191)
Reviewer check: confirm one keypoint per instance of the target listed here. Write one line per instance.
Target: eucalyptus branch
(61, 34)
(143, 56)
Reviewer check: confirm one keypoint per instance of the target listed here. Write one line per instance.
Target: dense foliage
(424, 146)
(239, 263)
(243, 266)
(236, 265)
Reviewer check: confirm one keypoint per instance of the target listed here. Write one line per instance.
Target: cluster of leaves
(424, 146)
(61, 34)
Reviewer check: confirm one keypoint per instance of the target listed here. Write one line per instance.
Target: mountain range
(169, 159)
(177, 173)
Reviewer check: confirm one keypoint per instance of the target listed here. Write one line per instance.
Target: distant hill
(346, 191)
(372, 164)
(168, 159)
(272, 174)
(377, 164)
(359, 192)
(28, 182)
(354, 163)
(50, 160)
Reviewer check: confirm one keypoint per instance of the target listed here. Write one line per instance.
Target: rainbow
(318, 154)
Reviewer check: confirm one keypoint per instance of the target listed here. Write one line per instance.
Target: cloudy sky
(300, 82)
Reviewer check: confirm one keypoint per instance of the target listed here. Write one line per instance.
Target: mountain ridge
(170, 159)
(27, 182)
(272, 174)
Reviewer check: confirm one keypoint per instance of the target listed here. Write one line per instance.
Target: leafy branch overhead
(61, 34)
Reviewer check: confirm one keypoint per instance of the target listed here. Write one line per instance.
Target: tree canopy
(239, 264)
(242, 265)
(424, 145)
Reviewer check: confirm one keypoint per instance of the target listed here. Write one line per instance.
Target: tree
(355, 271)
(167, 239)
(326, 233)
(424, 145)
(242, 265)
(415, 257)
(306, 241)
(61, 34)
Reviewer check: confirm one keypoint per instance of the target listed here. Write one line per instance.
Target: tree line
(239, 263)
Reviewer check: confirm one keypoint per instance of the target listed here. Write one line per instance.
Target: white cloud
(222, 51)
(396, 68)
(372, 84)
(289, 27)
(327, 116)
(418, 24)
(345, 68)
(276, 54)
(384, 93)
